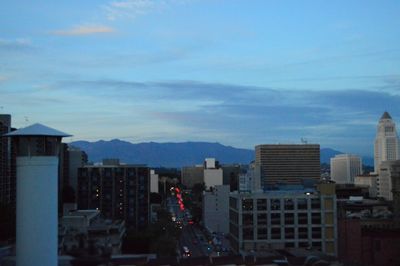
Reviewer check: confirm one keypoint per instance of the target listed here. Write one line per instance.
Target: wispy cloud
(130, 9)
(16, 45)
(82, 30)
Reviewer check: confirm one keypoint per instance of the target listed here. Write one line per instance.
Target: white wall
(37, 211)
(213, 177)
(216, 209)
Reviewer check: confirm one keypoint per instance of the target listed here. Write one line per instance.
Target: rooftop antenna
(303, 140)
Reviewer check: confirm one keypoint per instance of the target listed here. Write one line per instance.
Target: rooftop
(386, 115)
(37, 130)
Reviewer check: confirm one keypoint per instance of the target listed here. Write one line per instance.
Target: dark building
(7, 163)
(288, 163)
(231, 175)
(119, 191)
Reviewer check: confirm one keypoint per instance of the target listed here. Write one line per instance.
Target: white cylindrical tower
(37, 194)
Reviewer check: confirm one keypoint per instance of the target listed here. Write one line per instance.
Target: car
(186, 252)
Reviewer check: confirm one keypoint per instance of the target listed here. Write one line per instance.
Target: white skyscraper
(344, 167)
(386, 146)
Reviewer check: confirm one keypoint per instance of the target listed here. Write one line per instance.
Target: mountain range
(176, 154)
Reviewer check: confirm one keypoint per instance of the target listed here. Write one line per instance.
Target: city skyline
(187, 70)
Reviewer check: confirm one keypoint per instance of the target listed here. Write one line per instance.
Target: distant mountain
(176, 154)
(327, 153)
(164, 154)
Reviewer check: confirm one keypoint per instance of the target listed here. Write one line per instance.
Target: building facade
(118, 191)
(191, 175)
(387, 172)
(369, 180)
(288, 163)
(216, 209)
(345, 167)
(280, 219)
(5, 160)
(81, 228)
(386, 146)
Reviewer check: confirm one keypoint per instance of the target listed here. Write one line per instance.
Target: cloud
(242, 115)
(3, 78)
(85, 30)
(16, 45)
(131, 9)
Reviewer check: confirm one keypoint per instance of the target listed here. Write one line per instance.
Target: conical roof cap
(386, 115)
(37, 130)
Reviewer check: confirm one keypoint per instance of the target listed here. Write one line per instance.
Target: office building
(216, 209)
(345, 167)
(285, 218)
(288, 163)
(386, 146)
(387, 172)
(191, 175)
(119, 191)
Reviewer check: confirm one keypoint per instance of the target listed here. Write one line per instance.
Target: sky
(237, 72)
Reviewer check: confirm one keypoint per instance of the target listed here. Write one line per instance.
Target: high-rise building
(119, 191)
(288, 163)
(345, 167)
(386, 146)
(387, 172)
(5, 160)
(284, 218)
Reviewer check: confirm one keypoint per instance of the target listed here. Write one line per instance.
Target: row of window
(278, 204)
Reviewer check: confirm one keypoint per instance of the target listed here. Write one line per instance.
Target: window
(261, 204)
(275, 218)
(262, 233)
(248, 233)
(289, 218)
(316, 218)
(302, 204)
(276, 233)
(289, 233)
(247, 204)
(262, 219)
(316, 232)
(302, 218)
(247, 219)
(289, 205)
(275, 204)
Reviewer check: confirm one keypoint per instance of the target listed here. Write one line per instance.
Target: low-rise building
(84, 229)
(290, 217)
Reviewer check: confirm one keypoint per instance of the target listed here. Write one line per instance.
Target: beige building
(286, 218)
(288, 163)
(369, 180)
(386, 146)
(345, 167)
(388, 170)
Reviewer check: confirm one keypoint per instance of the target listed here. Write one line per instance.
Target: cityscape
(199, 132)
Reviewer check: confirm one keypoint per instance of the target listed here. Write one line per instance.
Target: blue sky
(237, 72)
